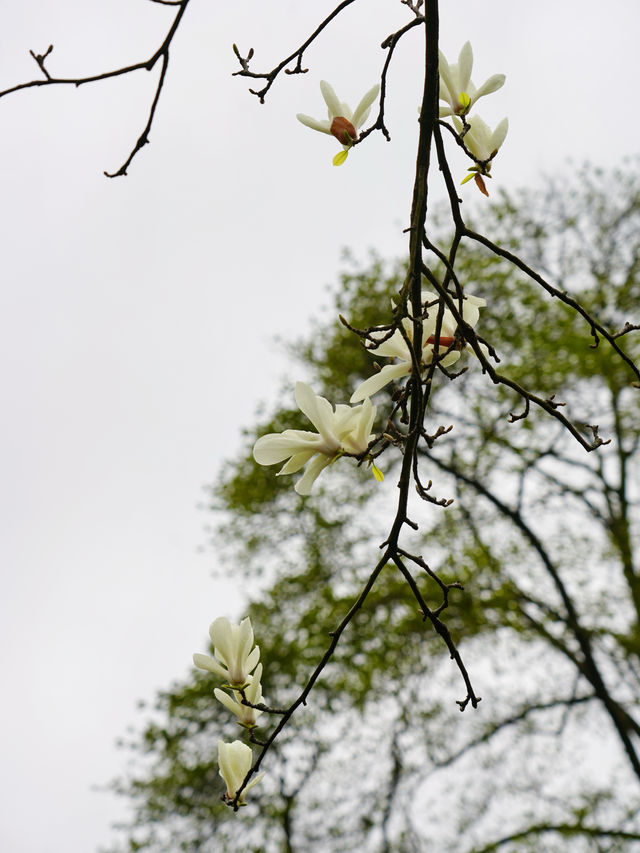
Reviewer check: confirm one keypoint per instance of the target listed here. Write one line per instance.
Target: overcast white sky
(137, 315)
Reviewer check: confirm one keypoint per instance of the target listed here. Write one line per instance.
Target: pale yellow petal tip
(377, 473)
(340, 157)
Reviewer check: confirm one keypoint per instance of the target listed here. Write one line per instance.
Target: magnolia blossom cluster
(460, 94)
(235, 659)
(346, 430)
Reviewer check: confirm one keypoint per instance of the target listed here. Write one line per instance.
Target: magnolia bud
(343, 130)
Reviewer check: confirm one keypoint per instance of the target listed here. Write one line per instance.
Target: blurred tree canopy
(542, 536)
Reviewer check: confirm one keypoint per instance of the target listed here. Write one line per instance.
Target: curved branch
(563, 829)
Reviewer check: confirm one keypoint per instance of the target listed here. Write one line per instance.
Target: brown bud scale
(343, 130)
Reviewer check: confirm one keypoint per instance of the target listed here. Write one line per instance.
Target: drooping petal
(362, 110)
(471, 308)
(446, 360)
(230, 704)
(374, 383)
(297, 461)
(314, 469)
(323, 126)
(330, 99)
(276, 447)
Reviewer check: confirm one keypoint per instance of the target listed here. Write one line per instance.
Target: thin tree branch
(162, 54)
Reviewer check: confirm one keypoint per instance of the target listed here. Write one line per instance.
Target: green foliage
(542, 537)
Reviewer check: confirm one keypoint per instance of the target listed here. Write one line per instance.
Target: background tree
(542, 537)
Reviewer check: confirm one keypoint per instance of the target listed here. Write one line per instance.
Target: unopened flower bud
(343, 130)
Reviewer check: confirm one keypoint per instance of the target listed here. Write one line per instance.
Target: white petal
(465, 65)
(234, 760)
(362, 110)
(314, 469)
(229, 703)
(395, 346)
(254, 691)
(498, 135)
(244, 642)
(252, 659)
(209, 664)
(450, 358)
(447, 79)
(315, 124)
(358, 440)
(254, 781)
(374, 383)
(222, 635)
(345, 111)
(330, 99)
(276, 447)
(297, 461)
(495, 82)
(319, 411)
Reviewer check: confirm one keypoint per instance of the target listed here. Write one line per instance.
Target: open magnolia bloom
(456, 87)
(342, 122)
(253, 693)
(345, 430)
(235, 659)
(396, 346)
(234, 761)
(484, 144)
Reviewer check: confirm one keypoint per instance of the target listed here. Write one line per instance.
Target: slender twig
(270, 76)
(161, 54)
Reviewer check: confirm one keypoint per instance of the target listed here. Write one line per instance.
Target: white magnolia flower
(253, 694)
(343, 123)
(480, 139)
(235, 760)
(396, 347)
(345, 430)
(235, 658)
(456, 87)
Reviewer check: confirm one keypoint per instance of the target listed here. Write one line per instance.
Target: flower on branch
(449, 346)
(234, 761)
(342, 122)
(343, 430)
(483, 143)
(235, 659)
(252, 692)
(456, 87)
